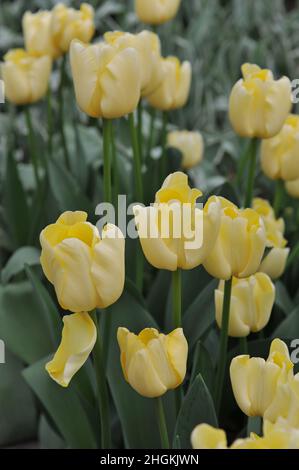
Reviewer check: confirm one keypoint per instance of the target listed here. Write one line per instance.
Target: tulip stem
(102, 389)
(243, 345)
(151, 132)
(164, 143)
(61, 111)
(279, 197)
(177, 298)
(293, 256)
(140, 128)
(50, 121)
(251, 173)
(32, 146)
(223, 344)
(107, 135)
(162, 424)
(115, 170)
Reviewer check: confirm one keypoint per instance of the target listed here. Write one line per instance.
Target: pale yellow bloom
(292, 188)
(148, 47)
(286, 402)
(68, 24)
(173, 91)
(86, 271)
(240, 245)
(79, 335)
(280, 155)
(205, 436)
(274, 263)
(252, 300)
(38, 37)
(174, 233)
(190, 144)
(259, 105)
(107, 81)
(26, 77)
(156, 11)
(153, 363)
(256, 381)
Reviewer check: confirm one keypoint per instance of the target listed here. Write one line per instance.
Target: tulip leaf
(63, 406)
(197, 408)
(282, 298)
(289, 327)
(26, 254)
(202, 364)
(47, 437)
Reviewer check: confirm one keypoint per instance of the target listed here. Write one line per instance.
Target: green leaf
(47, 437)
(197, 408)
(27, 254)
(202, 364)
(63, 405)
(282, 298)
(289, 327)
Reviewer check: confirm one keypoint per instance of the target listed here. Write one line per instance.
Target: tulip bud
(156, 11)
(255, 381)
(68, 24)
(252, 300)
(292, 188)
(173, 91)
(86, 271)
(79, 335)
(37, 30)
(205, 436)
(174, 233)
(153, 363)
(107, 81)
(240, 245)
(190, 144)
(259, 105)
(25, 77)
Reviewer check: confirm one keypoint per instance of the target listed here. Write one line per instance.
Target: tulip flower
(68, 24)
(274, 263)
(153, 363)
(107, 81)
(240, 245)
(79, 335)
(25, 77)
(86, 271)
(37, 30)
(190, 144)
(156, 11)
(173, 91)
(205, 436)
(259, 105)
(256, 381)
(148, 47)
(286, 402)
(280, 154)
(174, 233)
(252, 300)
(292, 188)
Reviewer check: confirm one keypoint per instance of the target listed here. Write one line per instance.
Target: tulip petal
(274, 263)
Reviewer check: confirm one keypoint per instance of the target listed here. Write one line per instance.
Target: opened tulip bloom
(152, 362)
(174, 233)
(107, 80)
(274, 263)
(205, 436)
(156, 11)
(240, 245)
(292, 188)
(286, 402)
(38, 36)
(26, 77)
(190, 144)
(252, 300)
(255, 381)
(173, 91)
(86, 270)
(259, 105)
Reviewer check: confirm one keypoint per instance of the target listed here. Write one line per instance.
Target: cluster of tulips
(243, 247)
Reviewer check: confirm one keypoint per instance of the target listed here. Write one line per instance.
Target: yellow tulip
(148, 47)
(190, 144)
(173, 91)
(68, 24)
(286, 402)
(205, 436)
(26, 77)
(280, 154)
(259, 105)
(153, 363)
(252, 300)
(107, 81)
(79, 335)
(85, 270)
(292, 188)
(156, 11)
(173, 232)
(255, 381)
(37, 30)
(240, 245)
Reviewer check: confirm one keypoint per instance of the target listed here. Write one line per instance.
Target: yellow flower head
(156, 11)
(190, 144)
(38, 37)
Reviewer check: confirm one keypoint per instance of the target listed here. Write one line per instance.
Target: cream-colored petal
(143, 377)
(274, 263)
(205, 436)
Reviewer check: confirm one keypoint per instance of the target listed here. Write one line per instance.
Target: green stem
(223, 344)
(243, 345)
(162, 423)
(139, 129)
(137, 160)
(50, 122)
(279, 197)
(32, 146)
(115, 172)
(293, 256)
(177, 298)
(164, 143)
(107, 125)
(251, 173)
(242, 163)
(102, 389)
(61, 111)
(151, 137)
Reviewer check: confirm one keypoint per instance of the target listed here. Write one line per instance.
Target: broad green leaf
(27, 254)
(282, 298)
(202, 364)
(289, 327)
(47, 437)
